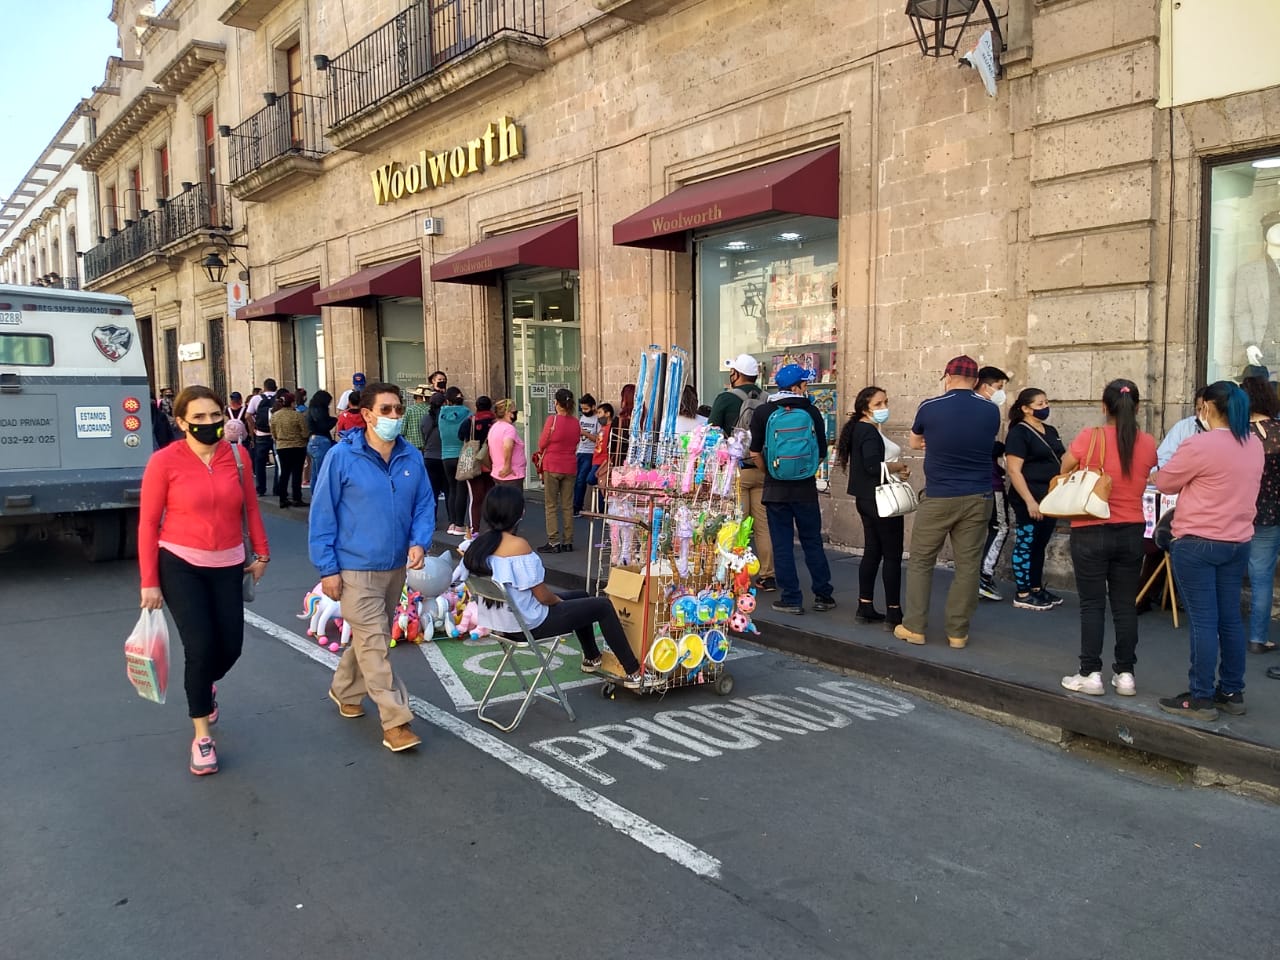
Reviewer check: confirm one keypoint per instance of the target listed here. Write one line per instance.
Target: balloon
(434, 577)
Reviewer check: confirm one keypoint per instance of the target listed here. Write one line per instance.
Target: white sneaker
(1124, 684)
(1091, 684)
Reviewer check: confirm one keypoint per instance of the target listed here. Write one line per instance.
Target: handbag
(894, 496)
(248, 585)
(473, 456)
(540, 453)
(1082, 494)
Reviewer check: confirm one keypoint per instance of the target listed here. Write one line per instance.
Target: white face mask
(998, 398)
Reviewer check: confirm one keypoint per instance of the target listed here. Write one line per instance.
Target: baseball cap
(962, 366)
(745, 364)
(791, 374)
(357, 380)
(235, 395)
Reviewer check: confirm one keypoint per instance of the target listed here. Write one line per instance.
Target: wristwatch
(258, 558)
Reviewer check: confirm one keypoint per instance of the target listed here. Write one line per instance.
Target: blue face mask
(880, 416)
(1041, 414)
(387, 428)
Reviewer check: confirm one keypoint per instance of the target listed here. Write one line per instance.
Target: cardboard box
(631, 593)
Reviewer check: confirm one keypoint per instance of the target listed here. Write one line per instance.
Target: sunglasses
(386, 409)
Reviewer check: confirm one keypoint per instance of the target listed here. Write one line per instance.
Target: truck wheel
(128, 534)
(101, 539)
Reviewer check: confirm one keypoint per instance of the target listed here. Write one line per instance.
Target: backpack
(262, 416)
(791, 445)
(742, 428)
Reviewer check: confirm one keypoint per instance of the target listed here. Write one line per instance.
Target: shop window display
(771, 290)
(1242, 289)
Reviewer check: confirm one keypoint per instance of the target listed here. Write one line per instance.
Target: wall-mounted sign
(237, 296)
(190, 351)
(500, 142)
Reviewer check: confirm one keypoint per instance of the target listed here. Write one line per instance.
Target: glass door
(544, 346)
(308, 352)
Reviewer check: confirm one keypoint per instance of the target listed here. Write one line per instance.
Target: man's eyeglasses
(387, 409)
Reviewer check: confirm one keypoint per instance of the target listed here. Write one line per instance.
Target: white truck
(75, 419)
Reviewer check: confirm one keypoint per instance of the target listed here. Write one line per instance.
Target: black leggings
(882, 539)
(290, 471)
(455, 493)
(578, 611)
(207, 605)
(439, 482)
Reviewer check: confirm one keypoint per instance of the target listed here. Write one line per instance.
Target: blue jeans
(785, 521)
(580, 481)
(1210, 575)
(1264, 549)
(317, 448)
(261, 452)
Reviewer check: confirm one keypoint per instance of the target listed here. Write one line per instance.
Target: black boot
(867, 613)
(893, 616)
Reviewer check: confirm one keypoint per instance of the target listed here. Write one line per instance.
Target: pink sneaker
(204, 758)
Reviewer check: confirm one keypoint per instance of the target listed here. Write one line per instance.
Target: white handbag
(894, 496)
(1085, 492)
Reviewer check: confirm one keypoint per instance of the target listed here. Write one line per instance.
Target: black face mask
(206, 433)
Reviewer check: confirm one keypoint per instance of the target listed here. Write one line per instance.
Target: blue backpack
(791, 445)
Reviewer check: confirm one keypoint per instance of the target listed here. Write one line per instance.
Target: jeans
(785, 521)
(1210, 575)
(318, 448)
(1264, 549)
(997, 533)
(963, 519)
(289, 470)
(261, 452)
(882, 539)
(577, 611)
(208, 609)
(1107, 559)
(580, 481)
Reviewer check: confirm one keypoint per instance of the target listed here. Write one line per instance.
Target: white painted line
(625, 821)
(451, 682)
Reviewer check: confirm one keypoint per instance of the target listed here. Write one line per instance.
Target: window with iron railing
(419, 41)
(293, 124)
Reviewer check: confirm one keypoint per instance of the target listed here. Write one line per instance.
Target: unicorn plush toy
(319, 609)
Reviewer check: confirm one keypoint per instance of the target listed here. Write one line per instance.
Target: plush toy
(406, 624)
(467, 626)
(741, 623)
(319, 610)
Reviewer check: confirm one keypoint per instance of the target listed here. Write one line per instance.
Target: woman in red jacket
(558, 462)
(196, 499)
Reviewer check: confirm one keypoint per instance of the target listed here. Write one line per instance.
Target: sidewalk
(1013, 664)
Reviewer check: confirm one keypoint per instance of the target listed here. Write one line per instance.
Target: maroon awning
(285, 302)
(808, 184)
(403, 278)
(546, 245)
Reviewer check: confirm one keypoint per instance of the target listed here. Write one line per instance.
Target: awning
(808, 184)
(546, 245)
(403, 278)
(285, 302)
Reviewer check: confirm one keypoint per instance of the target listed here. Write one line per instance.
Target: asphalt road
(806, 815)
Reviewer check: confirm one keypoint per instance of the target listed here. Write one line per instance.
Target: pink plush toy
(468, 625)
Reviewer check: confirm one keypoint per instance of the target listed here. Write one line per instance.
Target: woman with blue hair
(1216, 475)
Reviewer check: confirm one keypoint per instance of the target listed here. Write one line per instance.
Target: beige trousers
(750, 491)
(369, 597)
(558, 501)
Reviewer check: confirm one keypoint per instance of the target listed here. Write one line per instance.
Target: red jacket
(187, 503)
(559, 444)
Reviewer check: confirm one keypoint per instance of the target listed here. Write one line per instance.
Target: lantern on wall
(938, 24)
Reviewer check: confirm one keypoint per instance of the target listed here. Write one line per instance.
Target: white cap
(745, 364)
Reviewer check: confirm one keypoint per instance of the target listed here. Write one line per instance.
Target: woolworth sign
(500, 142)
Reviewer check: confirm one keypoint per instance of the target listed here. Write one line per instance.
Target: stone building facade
(527, 193)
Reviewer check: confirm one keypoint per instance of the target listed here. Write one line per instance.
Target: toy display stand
(680, 548)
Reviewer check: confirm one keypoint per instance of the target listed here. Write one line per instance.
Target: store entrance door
(544, 345)
(309, 354)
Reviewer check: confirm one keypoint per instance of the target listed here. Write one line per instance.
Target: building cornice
(144, 108)
(190, 64)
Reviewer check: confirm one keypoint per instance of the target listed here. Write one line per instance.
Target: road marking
(607, 811)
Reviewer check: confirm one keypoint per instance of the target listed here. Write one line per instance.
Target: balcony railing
(421, 40)
(200, 208)
(293, 125)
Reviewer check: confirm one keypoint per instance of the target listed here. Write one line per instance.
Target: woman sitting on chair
(506, 558)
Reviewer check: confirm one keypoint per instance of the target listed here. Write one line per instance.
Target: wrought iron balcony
(182, 217)
(420, 41)
(277, 146)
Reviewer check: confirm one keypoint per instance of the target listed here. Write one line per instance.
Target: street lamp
(938, 24)
(215, 268)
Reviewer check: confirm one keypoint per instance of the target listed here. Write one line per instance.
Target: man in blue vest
(956, 432)
(789, 443)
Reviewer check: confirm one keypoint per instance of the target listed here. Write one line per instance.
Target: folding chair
(544, 650)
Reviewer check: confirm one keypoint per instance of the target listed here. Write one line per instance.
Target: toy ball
(753, 566)
(434, 577)
(747, 603)
(335, 647)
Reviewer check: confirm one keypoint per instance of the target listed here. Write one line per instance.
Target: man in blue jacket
(372, 506)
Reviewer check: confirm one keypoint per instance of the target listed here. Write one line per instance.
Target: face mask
(1204, 424)
(880, 416)
(998, 398)
(1041, 414)
(515, 417)
(206, 433)
(387, 428)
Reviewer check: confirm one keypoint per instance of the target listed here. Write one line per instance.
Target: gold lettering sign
(500, 142)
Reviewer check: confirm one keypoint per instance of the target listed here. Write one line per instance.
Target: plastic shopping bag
(146, 656)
